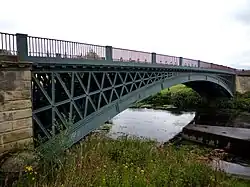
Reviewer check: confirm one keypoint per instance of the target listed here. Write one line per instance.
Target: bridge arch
(107, 112)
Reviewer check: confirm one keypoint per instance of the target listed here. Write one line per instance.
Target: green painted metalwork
(68, 92)
(86, 85)
(7, 44)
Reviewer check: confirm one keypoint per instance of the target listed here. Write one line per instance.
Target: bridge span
(47, 82)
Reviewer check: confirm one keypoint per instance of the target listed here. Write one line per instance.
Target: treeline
(185, 98)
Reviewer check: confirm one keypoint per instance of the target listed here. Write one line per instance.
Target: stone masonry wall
(15, 105)
(242, 83)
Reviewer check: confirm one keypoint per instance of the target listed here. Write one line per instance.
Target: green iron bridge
(87, 84)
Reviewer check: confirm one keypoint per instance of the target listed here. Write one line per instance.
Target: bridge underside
(84, 97)
(208, 89)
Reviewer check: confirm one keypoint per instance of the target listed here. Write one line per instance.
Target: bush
(185, 98)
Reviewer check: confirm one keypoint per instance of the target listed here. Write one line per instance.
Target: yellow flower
(33, 178)
(142, 171)
(28, 168)
(126, 167)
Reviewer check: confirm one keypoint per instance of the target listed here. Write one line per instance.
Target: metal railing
(25, 46)
(190, 62)
(45, 47)
(126, 55)
(8, 44)
(167, 60)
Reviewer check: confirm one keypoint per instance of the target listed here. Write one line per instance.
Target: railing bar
(10, 44)
(6, 41)
(67, 41)
(13, 42)
(2, 41)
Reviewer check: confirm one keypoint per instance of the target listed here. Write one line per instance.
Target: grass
(177, 89)
(100, 161)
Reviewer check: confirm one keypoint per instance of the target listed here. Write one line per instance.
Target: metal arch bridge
(89, 84)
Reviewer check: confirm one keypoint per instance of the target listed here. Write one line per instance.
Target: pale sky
(215, 31)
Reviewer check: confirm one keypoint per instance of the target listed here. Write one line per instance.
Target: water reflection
(160, 125)
(225, 118)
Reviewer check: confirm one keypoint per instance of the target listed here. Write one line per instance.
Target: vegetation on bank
(184, 97)
(101, 161)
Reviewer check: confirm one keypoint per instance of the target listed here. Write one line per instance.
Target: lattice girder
(74, 94)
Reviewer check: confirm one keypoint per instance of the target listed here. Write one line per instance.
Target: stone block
(15, 75)
(16, 135)
(15, 125)
(14, 95)
(15, 114)
(6, 126)
(15, 105)
(14, 145)
(22, 123)
(15, 85)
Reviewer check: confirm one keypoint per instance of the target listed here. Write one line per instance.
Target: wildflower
(35, 172)
(126, 167)
(33, 178)
(142, 171)
(104, 166)
(28, 168)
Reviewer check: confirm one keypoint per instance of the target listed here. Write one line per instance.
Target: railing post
(199, 63)
(153, 58)
(22, 46)
(109, 53)
(180, 64)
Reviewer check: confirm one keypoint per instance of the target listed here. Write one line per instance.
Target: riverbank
(101, 161)
(185, 98)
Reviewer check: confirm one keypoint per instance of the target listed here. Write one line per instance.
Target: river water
(160, 125)
(163, 125)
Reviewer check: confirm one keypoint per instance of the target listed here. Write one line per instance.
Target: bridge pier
(242, 82)
(15, 105)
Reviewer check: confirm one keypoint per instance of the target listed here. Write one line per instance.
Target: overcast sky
(216, 31)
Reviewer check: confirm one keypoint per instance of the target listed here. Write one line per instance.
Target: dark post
(109, 53)
(199, 63)
(180, 61)
(153, 58)
(22, 46)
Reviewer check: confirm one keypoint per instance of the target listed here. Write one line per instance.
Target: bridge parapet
(27, 47)
(16, 106)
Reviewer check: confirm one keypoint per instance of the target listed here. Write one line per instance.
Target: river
(160, 125)
(163, 125)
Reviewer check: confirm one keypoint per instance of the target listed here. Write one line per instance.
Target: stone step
(230, 132)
